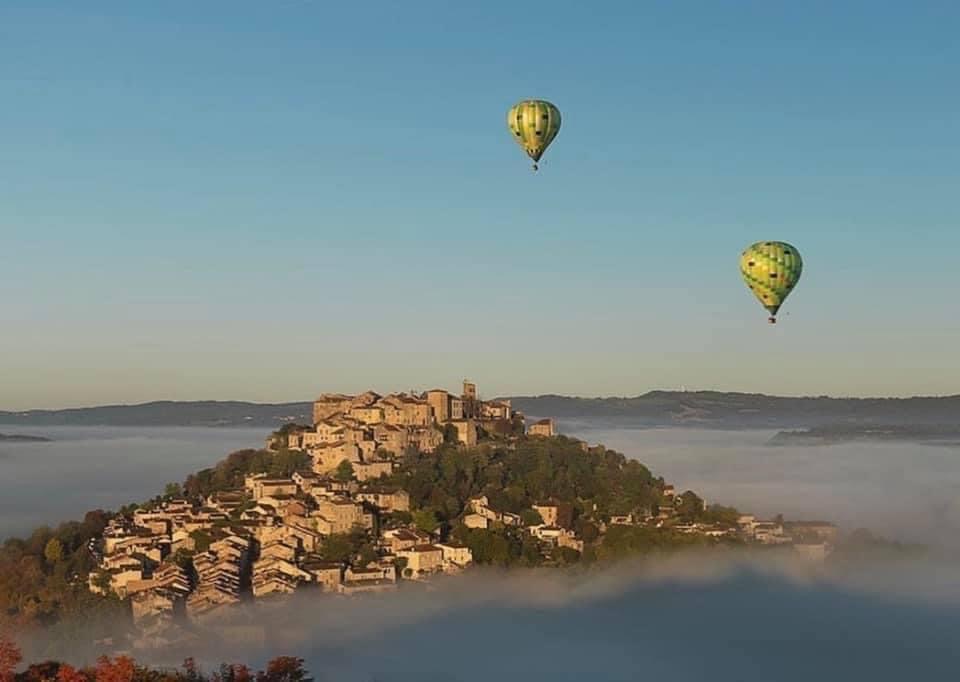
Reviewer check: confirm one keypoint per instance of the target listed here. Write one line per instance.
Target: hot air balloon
(771, 270)
(534, 123)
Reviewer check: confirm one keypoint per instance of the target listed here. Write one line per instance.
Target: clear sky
(265, 200)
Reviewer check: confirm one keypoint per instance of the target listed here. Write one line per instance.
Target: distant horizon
(642, 394)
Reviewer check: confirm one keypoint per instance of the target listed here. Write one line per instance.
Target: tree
(368, 554)
(101, 580)
(337, 547)
(565, 555)
(530, 551)
(201, 540)
(690, 508)
(531, 517)
(344, 472)
(125, 669)
(67, 673)
(426, 520)
(182, 558)
(10, 658)
(234, 673)
(727, 516)
(450, 434)
(120, 669)
(623, 541)
(396, 518)
(191, 670)
(40, 672)
(284, 669)
(172, 491)
(53, 552)
(587, 530)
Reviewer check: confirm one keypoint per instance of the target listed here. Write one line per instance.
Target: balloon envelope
(534, 123)
(771, 270)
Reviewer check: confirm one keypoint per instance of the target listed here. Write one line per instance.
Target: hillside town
(273, 536)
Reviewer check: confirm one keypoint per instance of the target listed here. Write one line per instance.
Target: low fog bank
(904, 491)
(692, 617)
(87, 468)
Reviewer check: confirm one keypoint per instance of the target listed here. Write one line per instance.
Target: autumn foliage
(10, 658)
(125, 669)
(68, 673)
(119, 669)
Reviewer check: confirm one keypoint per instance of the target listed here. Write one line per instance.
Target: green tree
(727, 516)
(172, 491)
(344, 472)
(450, 434)
(565, 555)
(102, 581)
(623, 541)
(53, 552)
(531, 517)
(201, 540)
(587, 530)
(342, 547)
(396, 519)
(426, 520)
(367, 554)
(530, 551)
(690, 508)
(182, 558)
(337, 547)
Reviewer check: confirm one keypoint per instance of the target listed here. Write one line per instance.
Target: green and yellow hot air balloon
(771, 270)
(534, 123)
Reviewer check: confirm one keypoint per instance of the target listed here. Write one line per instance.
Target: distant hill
(947, 435)
(741, 410)
(17, 438)
(709, 409)
(168, 413)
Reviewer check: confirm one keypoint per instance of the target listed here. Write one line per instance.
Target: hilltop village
(352, 514)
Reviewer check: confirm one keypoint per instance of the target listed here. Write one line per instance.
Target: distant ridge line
(708, 408)
(708, 392)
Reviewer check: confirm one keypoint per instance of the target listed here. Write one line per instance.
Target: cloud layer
(692, 617)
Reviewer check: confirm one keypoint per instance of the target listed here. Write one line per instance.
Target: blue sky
(266, 200)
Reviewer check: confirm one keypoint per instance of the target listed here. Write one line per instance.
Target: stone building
(544, 427)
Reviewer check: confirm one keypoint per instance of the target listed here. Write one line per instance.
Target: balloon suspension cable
(772, 319)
